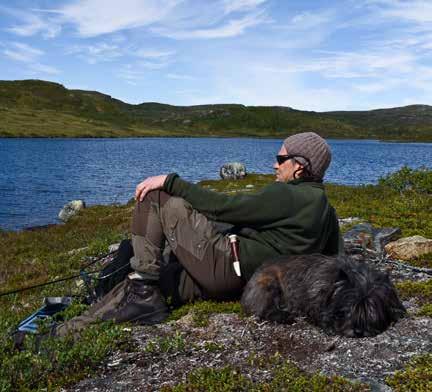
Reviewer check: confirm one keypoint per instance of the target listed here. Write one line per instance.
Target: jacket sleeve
(240, 209)
(335, 242)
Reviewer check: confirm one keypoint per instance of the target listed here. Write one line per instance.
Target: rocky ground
(166, 353)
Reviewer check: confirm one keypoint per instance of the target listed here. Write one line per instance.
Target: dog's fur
(340, 295)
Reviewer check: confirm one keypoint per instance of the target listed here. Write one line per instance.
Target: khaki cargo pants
(203, 252)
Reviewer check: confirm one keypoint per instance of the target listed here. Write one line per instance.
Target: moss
(213, 347)
(75, 309)
(384, 207)
(60, 361)
(35, 256)
(167, 344)
(417, 376)
(229, 186)
(213, 380)
(422, 291)
(290, 378)
(425, 310)
(202, 310)
(424, 261)
(285, 377)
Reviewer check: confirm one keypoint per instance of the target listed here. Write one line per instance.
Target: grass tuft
(417, 376)
(285, 377)
(168, 344)
(60, 361)
(422, 290)
(202, 310)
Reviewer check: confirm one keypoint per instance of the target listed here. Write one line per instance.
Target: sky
(307, 54)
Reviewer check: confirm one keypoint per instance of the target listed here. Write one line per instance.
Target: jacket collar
(305, 181)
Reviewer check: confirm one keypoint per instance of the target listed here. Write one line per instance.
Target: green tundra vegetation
(35, 108)
(28, 257)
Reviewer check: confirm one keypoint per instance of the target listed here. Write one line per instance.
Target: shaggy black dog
(340, 295)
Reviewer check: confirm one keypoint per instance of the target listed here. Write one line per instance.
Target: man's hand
(149, 184)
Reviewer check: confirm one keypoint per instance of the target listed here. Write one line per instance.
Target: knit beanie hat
(310, 148)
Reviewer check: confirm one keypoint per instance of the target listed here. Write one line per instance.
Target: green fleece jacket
(281, 219)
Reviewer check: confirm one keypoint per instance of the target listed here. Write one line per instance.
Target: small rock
(349, 220)
(331, 346)
(113, 247)
(249, 186)
(75, 251)
(233, 171)
(409, 247)
(114, 363)
(70, 209)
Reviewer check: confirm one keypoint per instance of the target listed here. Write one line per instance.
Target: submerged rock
(70, 209)
(409, 247)
(233, 171)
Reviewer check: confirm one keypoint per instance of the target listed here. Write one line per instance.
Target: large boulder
(233, 171)
(409, 247)
(70, 209)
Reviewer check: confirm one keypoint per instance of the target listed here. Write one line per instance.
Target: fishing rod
(80, 274)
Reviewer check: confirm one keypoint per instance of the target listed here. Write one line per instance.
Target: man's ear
(298, 171)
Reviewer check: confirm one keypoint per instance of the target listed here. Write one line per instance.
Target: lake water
(38, 176)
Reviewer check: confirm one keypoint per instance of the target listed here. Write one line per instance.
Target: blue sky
(311, 55)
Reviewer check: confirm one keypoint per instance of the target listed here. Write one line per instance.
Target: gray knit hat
(313, 148)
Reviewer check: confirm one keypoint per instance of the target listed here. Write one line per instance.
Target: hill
(35, 108)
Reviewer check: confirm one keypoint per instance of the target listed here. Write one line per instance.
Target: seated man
(290, 216)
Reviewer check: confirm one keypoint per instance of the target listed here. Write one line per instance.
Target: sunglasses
(280, 159)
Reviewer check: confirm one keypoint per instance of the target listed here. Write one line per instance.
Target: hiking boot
(142, 303)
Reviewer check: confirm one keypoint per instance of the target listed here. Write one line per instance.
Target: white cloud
(307, 29)
(377, 87)
(231, 28)
(96, 17)
(153, 59)
(32, 23)
(310, 20)
(413, 10)
(38, 68)
(142, 69)
(22, 52)
(107, 51)
(241, 5)
(153, 65)
(179, 77)
(28, 55)
(348, 65)
(99, 52)
(179, 19)
(153, 54)
(131, 75)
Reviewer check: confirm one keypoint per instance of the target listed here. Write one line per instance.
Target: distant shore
(183, 136)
